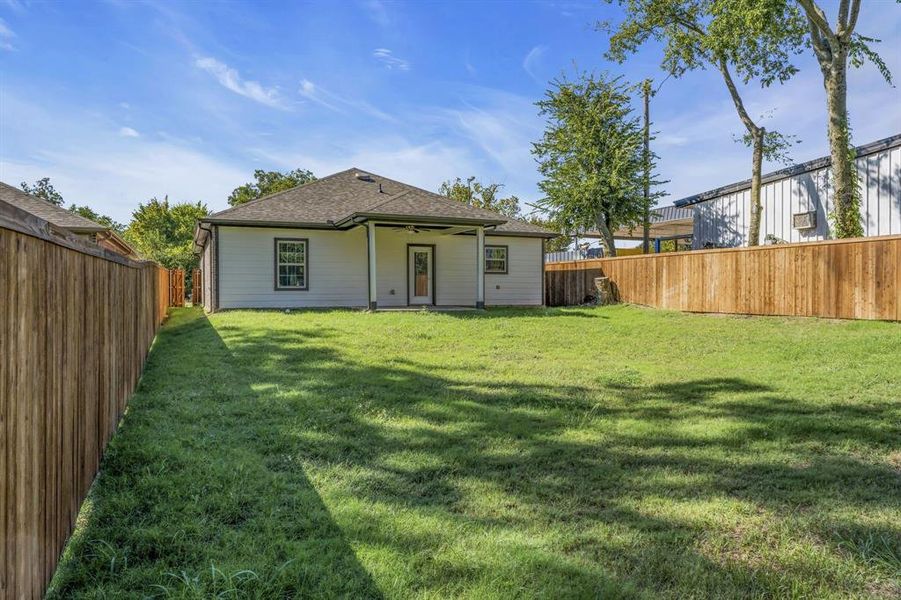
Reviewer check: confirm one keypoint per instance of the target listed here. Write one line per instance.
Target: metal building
(797, 201)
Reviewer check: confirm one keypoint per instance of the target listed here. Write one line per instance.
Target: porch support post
(480, 267)
(373, 288)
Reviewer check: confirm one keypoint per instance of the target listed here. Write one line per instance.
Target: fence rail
(847, 279)
(76, 323)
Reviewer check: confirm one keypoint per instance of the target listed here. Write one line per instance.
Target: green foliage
(557, 244)
(846, 223)
(590, 156)
(776, 146)
(42, 188)
(474, 193)
(616, 453)
(164, 233)
(859, 52)
(758, 38)
(269, 182)
(89, 213)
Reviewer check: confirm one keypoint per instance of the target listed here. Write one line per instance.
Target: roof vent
(364, 176)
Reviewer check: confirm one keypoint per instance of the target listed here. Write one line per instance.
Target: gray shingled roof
(51, 213)
(334, 201)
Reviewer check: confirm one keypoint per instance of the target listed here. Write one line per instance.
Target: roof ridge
(385, 201)
(444, 199)
(279, 193)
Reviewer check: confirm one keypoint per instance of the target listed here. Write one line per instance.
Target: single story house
(356, 239)
(65, 219)
(797, 201)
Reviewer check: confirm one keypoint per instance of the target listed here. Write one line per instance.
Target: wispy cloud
(128, 132)
(6, 37)
(387, 58)
(230, 79)
(337, 103)
(311, 91)
(532, 61)
(90, 162)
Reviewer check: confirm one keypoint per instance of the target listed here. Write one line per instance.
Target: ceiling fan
(411, 229)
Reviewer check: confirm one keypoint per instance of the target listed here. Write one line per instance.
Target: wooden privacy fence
(846, 279)
(176, 287)
(76, 323)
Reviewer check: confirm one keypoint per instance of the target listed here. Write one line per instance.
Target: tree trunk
(757, 135)
(756, 173)
(607, 240)
(847, 212)
(646, 158)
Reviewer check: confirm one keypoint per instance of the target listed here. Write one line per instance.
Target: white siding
(206, 268)
(455, 266)
(336, 263)
(455, 269)
(338, 269)
(723, 221)
(523, 284)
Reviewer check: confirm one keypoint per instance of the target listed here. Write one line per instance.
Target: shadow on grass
(215, 460)
(194, 498)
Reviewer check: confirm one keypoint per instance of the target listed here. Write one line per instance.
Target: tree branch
(736, 98)
(820, 48)
(818, 17)
(842, 15)
(852, 21)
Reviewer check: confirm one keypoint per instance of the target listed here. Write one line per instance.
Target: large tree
(474, 193)
(833, 47)
(164, 233)
(269, 182)
(590, 157)
(754, 38)
(42, 188)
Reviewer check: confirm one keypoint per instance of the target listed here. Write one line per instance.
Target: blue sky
(119, 101)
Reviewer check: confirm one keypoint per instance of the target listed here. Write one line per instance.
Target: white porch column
(480, 267)
(373, 288)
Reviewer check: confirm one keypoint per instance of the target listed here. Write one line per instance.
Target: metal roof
(805, 167)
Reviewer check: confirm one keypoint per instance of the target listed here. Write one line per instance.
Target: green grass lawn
(613, 452)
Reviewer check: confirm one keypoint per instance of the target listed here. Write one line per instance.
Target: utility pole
(646, 156)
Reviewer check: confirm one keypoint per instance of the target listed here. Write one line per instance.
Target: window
(290, 264)
(496, 259)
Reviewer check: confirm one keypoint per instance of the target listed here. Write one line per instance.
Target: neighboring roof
(666, 222)
(51, 213)
(344, 199)
(805, 167)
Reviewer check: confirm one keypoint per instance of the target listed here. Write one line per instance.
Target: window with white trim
(496, 259)
(291, 264)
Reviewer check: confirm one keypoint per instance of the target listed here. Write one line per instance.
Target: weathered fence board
(846, 279)
(76, 324)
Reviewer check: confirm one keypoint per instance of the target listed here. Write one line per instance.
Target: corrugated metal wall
(723, 221)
